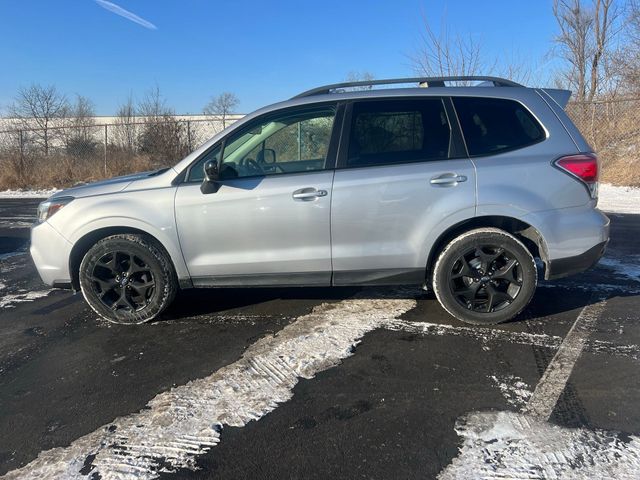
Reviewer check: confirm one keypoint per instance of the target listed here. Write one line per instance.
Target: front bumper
(564, 267)
(50, 252)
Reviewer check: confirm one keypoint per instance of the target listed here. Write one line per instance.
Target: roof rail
(422, 81)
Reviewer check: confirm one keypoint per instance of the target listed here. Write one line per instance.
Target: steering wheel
(253, 166)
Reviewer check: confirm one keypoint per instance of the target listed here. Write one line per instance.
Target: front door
(269, 221)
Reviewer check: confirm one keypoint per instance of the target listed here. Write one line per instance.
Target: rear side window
(397, 131)
(494, 125)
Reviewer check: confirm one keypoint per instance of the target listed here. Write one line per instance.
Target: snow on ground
(629, 267)
(186, 421)
(514, 445)
(10, 300)
(42, 193)
(618, 199)
(4, 256)
(513, 388)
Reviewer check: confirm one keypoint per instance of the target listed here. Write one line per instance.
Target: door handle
(309, 193)
(448, 180)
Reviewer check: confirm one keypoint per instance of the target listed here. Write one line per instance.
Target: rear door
(402, 173)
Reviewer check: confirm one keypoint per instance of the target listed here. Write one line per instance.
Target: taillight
(584, 167)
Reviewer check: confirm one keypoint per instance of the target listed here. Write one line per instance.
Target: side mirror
(211, 177)
(211, 171)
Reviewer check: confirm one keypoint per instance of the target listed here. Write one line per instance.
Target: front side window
(494, 125)
(397, 131)
(196, 172)
(285, 143)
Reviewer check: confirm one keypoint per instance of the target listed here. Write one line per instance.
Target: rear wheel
(485, 276)
(127, 279)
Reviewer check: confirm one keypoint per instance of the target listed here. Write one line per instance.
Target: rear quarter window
(495, 125)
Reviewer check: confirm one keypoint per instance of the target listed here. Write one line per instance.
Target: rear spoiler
(561, 97)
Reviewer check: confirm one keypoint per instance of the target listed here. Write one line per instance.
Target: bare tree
(585, 42)
(125, 131)
(629, 54)
(222, 105)
(444, 54)
(80, 122)
(162, 137)
(39, 108)
(153, 105)
(356, 76)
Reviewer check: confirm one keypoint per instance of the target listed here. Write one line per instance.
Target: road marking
(178, 425)
(553, 381)
(490, 334)
(484, 334)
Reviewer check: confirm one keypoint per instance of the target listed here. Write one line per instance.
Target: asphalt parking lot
(321, 383)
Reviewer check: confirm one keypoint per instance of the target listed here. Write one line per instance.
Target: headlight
(48, 208)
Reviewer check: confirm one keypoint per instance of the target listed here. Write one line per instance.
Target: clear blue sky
(263, 51)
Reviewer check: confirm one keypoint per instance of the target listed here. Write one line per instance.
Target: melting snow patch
(630, 268)
(42, 193)
(515, 390)
(484, 335)
(514, 445)
(618, 199)
(185, 422)
(11, 299)
(4, 256)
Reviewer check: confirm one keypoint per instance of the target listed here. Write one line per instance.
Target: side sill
(295, 279)
(390, 276)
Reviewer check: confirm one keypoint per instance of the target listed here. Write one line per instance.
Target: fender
(149, 211)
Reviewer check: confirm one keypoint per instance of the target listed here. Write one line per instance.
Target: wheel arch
(526, 233)
(83, 244)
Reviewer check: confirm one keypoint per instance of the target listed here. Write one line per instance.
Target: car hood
(111, 185)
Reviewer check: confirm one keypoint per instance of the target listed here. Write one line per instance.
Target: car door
(403, 175)
(268, 222)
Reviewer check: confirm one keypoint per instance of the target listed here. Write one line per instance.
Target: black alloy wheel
(484, 276)
(122, 280)
(128, 278)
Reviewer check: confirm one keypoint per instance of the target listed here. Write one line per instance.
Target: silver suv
(456, 188)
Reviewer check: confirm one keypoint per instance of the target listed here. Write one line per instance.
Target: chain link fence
(612, 128)
(61, 156)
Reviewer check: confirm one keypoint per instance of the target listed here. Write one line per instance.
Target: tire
(485, 276)
(128, 279)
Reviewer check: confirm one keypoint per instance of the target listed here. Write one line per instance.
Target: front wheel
(127, 279)
(485, 276)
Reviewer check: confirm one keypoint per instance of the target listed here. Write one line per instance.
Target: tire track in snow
(178, 425)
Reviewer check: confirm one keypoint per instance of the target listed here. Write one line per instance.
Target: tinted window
(387, 132)
(288, 142)
(493, 125)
